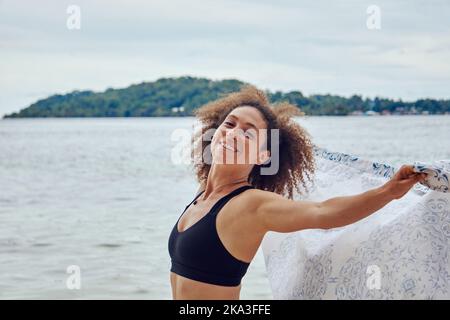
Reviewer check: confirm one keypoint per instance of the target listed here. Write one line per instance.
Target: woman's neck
(223, 179)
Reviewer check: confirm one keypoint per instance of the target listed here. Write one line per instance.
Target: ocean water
(104, 194)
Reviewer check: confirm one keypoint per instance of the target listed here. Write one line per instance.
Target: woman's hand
(403, 180)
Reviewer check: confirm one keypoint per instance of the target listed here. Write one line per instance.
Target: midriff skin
(238, 235)
(187, 289)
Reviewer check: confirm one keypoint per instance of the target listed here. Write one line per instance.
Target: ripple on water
(141, 291)
(123, 198)
(9, 242)
(109, 245)
(41, 244)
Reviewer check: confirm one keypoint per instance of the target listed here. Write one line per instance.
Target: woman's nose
(230, 135)
(233, 134)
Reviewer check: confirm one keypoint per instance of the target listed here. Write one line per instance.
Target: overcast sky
(311, 46)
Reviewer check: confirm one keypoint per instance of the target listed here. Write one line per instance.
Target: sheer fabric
(399, 252)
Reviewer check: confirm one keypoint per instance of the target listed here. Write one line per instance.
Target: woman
(220, 231)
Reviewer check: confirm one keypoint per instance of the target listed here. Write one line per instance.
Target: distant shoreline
(180, 117)
(180, 97)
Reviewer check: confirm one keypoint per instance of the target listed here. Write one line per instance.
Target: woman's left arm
(341, 211)
(283, 215)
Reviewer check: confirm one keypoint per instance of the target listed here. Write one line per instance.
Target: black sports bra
(198, 253)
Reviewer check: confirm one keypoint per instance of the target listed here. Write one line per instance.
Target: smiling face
(241, 138)
(291, 161)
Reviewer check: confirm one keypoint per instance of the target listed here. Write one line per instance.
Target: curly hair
(296, 159)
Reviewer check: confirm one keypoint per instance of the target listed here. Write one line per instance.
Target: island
(180, 96)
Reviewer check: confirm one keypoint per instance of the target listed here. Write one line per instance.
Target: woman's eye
(228, 123)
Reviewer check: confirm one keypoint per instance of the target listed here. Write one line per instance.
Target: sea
(87, 204)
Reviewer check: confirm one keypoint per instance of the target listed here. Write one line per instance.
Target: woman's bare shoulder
(255, 197)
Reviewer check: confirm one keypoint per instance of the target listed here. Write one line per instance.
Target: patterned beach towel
(399, 252)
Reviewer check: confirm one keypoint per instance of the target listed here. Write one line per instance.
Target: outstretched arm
(276, 213)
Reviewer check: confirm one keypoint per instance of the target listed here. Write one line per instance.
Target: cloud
(315, 47)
